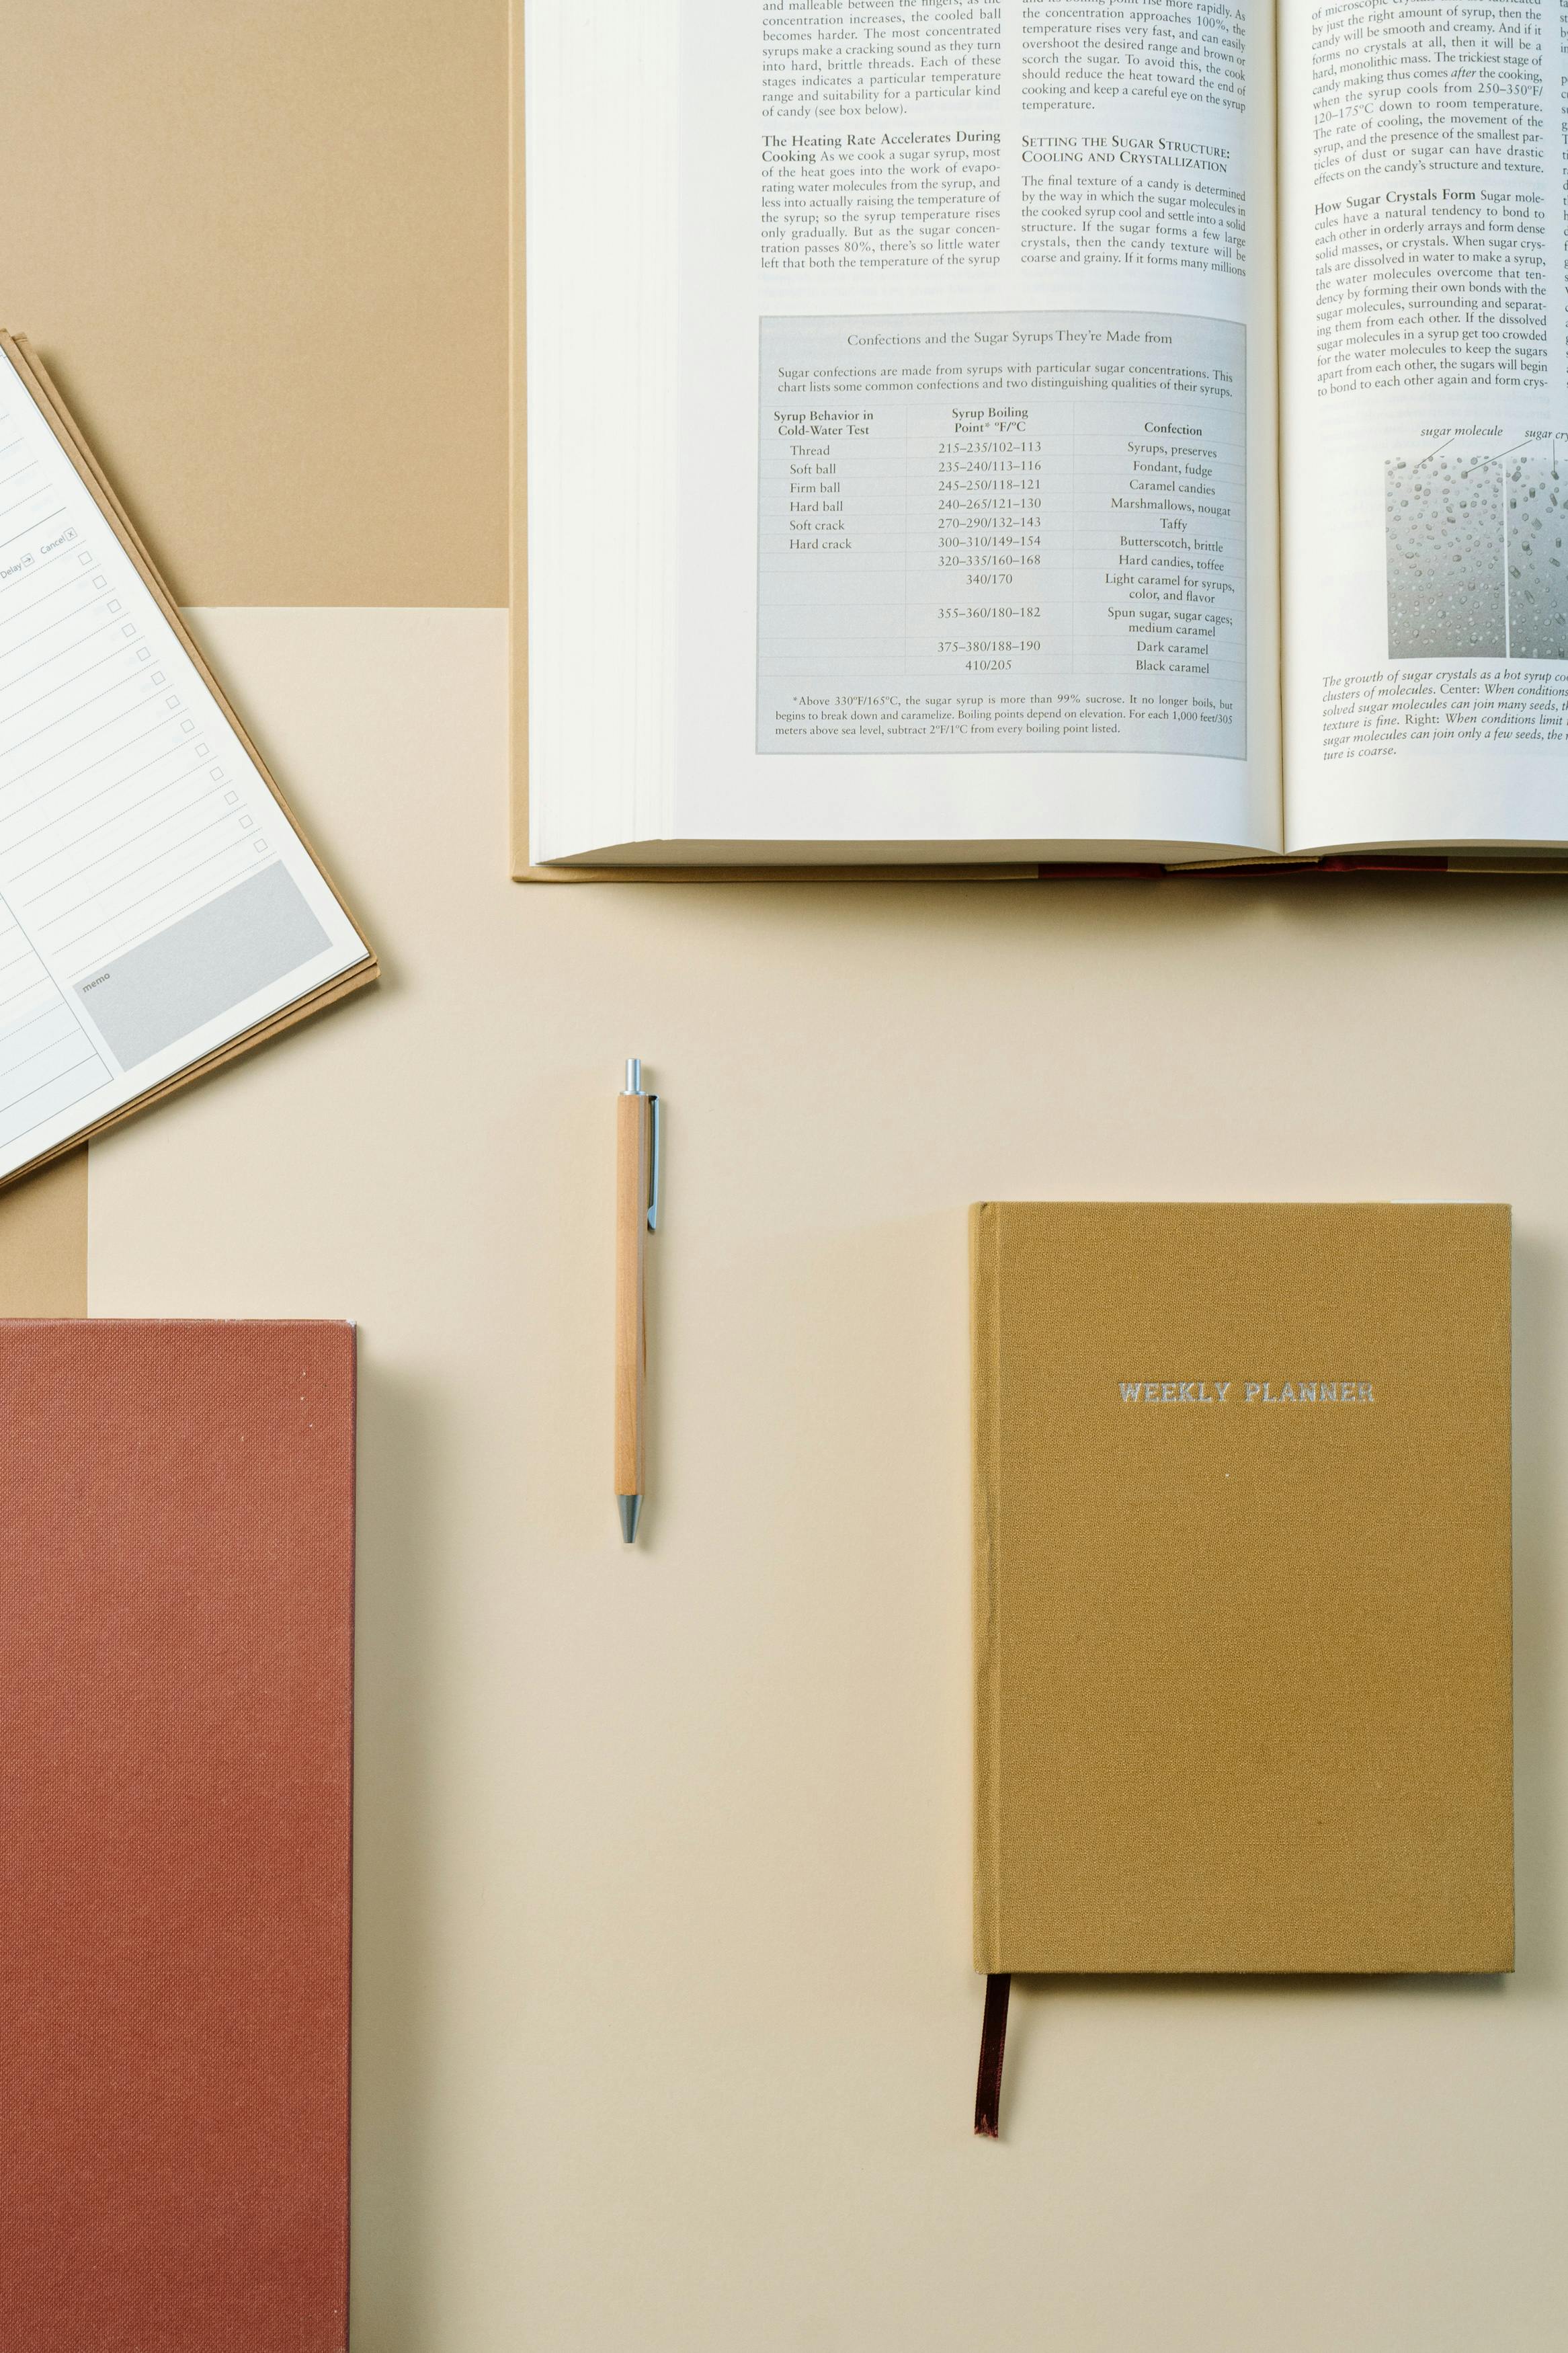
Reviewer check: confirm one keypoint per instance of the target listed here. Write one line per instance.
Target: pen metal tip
(631, 1511)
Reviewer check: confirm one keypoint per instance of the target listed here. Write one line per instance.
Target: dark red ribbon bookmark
(993, 2042)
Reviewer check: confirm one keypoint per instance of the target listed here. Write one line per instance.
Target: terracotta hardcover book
(176, 1549)
(1242, 1632)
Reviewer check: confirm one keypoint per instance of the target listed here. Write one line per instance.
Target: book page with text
(976, 454)
(1425, 382)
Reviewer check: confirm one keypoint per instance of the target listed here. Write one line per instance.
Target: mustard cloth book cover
(1243, 1612)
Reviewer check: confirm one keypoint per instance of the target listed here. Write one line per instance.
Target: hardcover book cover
(176, 1557)
(1243, 1617)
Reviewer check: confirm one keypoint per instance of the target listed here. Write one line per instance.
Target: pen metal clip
(655, 1142)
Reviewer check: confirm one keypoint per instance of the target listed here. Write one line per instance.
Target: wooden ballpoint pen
(636, 1216)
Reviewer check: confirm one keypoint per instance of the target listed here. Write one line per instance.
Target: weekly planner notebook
(159, 908)
(1242, 1619)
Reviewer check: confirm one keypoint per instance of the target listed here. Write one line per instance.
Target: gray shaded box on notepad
(200, 967)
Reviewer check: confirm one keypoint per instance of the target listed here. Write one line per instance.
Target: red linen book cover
(176, 1594)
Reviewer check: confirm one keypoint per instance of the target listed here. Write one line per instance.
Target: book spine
(984, 1244)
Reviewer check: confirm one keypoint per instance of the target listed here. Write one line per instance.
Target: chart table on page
(999, 543)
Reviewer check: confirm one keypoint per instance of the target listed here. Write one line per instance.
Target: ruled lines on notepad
(46, 1060)
(120, 810)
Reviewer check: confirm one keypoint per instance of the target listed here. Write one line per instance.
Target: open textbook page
(1425, 421)
(903, 390)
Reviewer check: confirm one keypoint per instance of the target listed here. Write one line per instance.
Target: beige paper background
(665, 2028)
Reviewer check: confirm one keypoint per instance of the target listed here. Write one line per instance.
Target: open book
(159, 909)
(978, 430)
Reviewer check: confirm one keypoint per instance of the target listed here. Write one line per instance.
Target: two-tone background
(665, 2028)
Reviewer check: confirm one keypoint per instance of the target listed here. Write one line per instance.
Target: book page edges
(984, 1241)
(1040, 871)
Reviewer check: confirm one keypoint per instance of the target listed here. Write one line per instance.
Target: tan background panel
(42, 1241)
(261, 244)
(666, 2026)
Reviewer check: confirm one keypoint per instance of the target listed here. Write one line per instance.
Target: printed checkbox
(173, 700)
(128, 631)
(157, 677)
(203, 749)
(98, 581)
(84, 558)
(232, 798)
(187, 726)
(216, 774)
(114, 604)
(143, 653)
(259, 843)
(246, 821)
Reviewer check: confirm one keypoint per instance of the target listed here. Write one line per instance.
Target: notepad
(158, 907)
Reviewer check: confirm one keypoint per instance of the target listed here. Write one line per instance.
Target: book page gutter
(154, 901)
